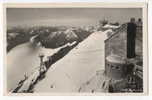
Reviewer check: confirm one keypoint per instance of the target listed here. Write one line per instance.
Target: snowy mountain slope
(98, 83)
(23, 59)
(69, 73)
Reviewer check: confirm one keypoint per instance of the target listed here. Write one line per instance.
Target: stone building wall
(117, 43)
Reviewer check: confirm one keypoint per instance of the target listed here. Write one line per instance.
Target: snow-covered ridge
(107, 26)
(76, 67)
(26, 84)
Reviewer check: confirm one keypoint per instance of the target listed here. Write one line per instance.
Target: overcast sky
(68, 16)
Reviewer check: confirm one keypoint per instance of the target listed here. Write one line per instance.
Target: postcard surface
(75, 48)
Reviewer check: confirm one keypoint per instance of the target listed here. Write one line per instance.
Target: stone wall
(117, 42)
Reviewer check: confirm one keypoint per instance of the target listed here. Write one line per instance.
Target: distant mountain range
(49, 37)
